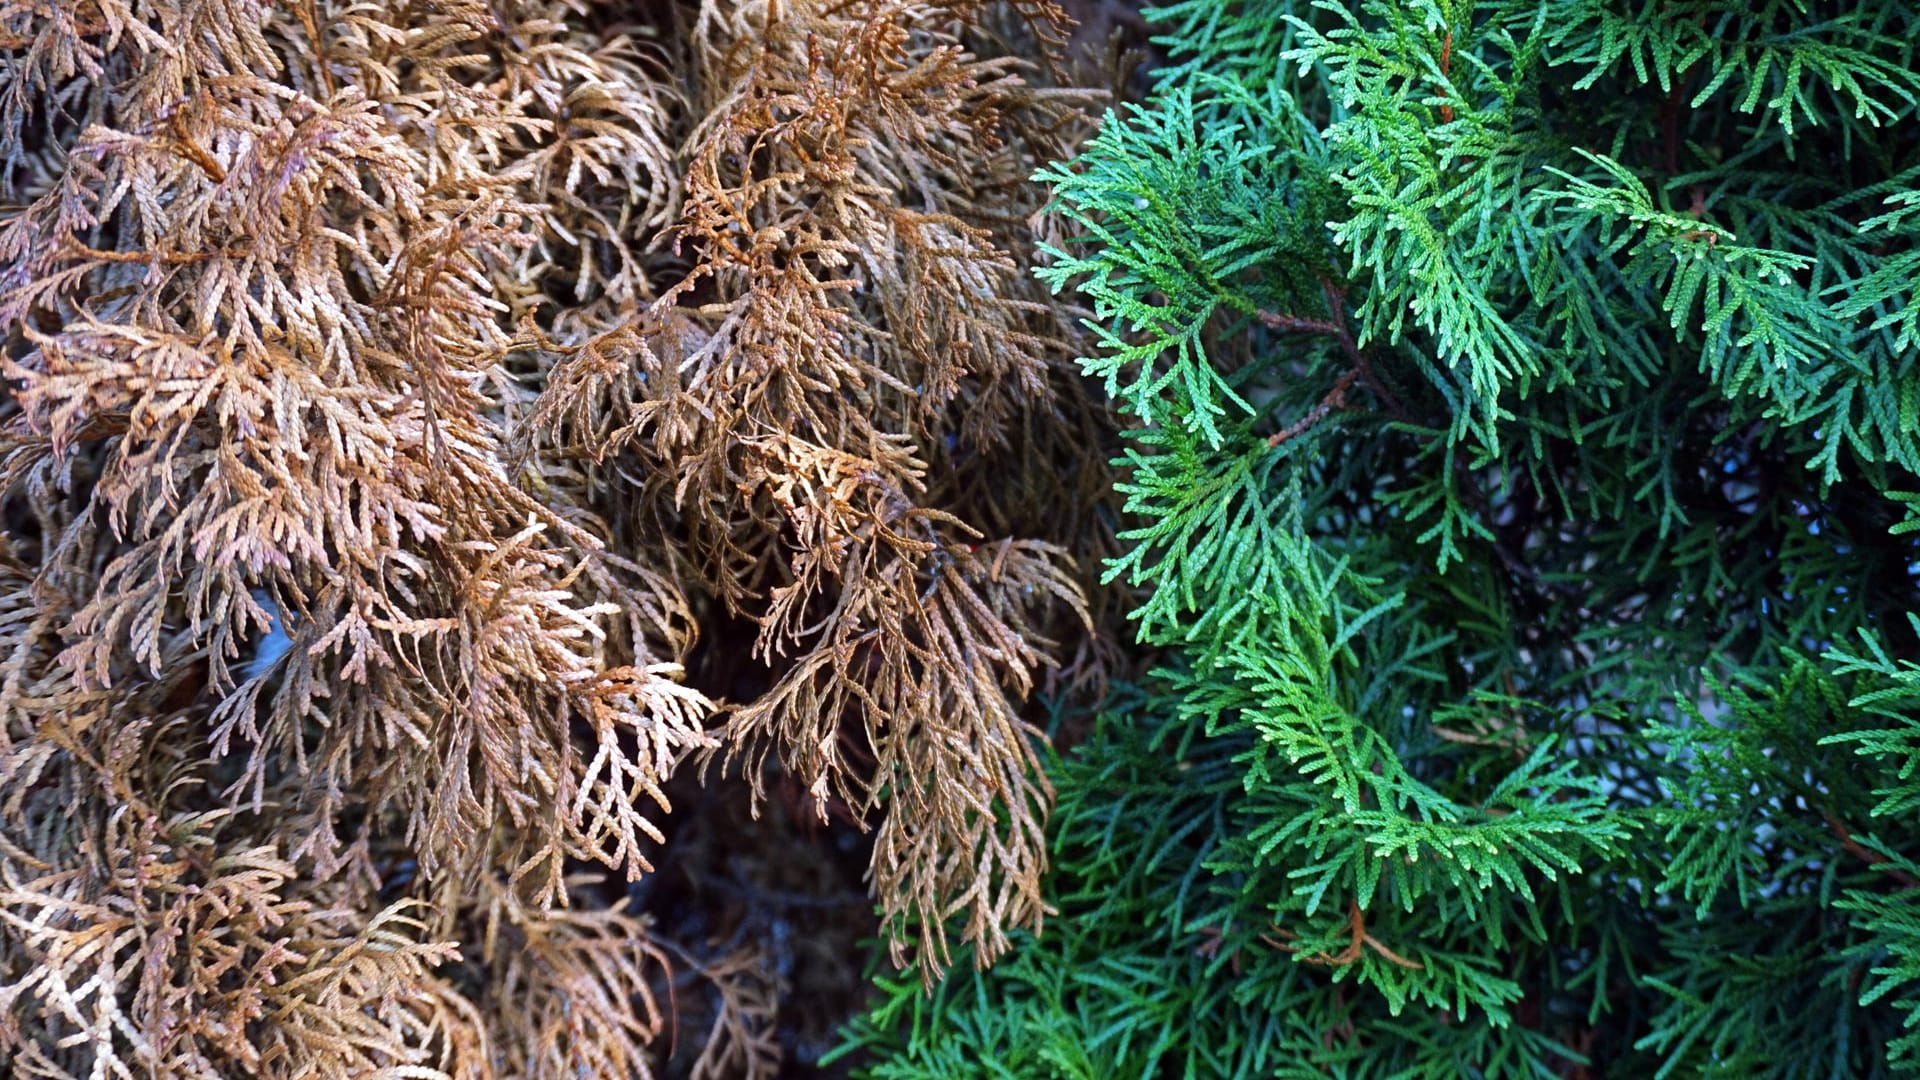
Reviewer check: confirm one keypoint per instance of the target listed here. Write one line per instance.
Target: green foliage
(1527, 412)
(1173, 215)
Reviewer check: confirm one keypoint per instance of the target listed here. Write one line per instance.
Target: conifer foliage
(396, 393)
(1525, 409)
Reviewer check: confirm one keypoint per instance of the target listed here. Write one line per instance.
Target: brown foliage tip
(393, 390)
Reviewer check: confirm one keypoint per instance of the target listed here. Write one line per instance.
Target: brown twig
(1299, 325)
(1337, 303)
(1361, 368)
(10, 42)
(171, 258)
(1336, 399)
(1869, 856)
(193, 151)
(1360, 942)
(310, 22)
(1210, 948)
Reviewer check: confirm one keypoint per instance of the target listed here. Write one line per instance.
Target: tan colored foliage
(395, 393)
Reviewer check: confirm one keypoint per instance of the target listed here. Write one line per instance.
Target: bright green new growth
(1528, 418)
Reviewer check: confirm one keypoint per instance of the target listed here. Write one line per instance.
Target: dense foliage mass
(1524, 482)
(435, 432)
(396, 393)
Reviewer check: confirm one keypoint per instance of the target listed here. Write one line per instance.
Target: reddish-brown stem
(1360, 368)
(9, 42)
(310, 22)
(1870, 857)
(198, 156)
(1298, 324)
(1337, 304)
(1359, 941)
(171, 258)
(1336, 399)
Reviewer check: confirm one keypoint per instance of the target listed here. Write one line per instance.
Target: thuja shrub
(396, 393)
(1525, 419)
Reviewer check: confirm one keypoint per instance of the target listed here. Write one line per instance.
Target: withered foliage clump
(396, 392)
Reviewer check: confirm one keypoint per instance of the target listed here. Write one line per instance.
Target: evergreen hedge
(1524, 408)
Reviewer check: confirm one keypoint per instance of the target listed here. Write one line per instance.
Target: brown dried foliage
(395, 391)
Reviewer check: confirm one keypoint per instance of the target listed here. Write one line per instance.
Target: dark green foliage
(1527, 409)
